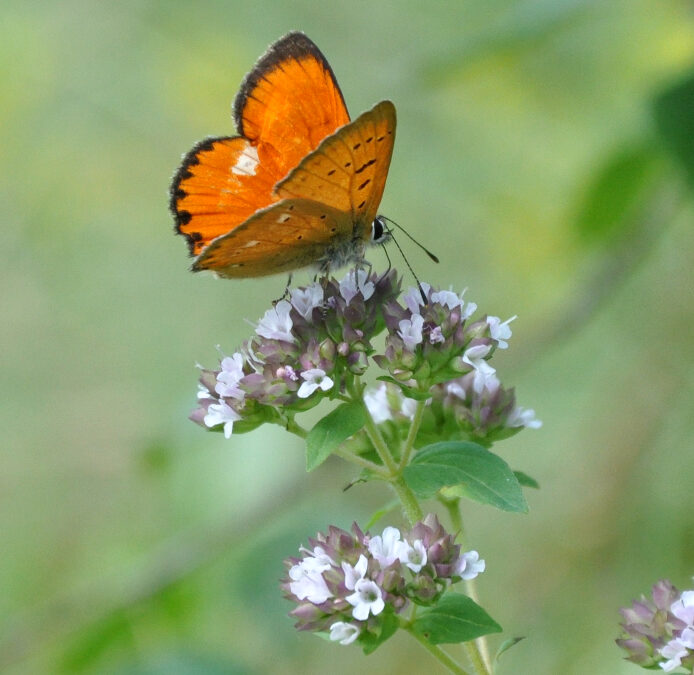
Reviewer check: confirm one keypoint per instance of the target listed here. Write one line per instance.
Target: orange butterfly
(300, 185)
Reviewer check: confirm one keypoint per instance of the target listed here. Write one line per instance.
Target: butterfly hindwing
(285, 236)
(348, 169)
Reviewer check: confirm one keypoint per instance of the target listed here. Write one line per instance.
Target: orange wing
(285, 236)
(328, 204)
(348, 170)
(286, 105)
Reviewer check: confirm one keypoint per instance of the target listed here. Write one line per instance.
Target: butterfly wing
(220, 183)
(348, 170)
(285, 236)
(286, 105)
(328, 204)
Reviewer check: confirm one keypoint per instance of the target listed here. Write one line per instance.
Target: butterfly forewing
(289, 102)
(285, 236)
(348, 170)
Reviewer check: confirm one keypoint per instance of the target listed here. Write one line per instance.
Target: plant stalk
(438, 653)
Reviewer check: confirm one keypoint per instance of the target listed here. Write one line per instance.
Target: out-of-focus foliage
(544, 152)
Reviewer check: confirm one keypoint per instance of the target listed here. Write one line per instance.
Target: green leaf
(525, 480)
(336, 427)
(506, 645)
(616, 192)
(478, 474)
(409, 392)
(456, 618)
(378, 514)
(370, 640)
(672, 110)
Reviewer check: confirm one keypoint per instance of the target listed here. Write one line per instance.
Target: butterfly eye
(378, 229)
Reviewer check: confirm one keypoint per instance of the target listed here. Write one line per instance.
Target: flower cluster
(315, 343)
(659, 631)
(347, 583)
(460, 411)
(303, 349)
(431, 340)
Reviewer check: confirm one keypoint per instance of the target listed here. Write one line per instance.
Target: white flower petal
(276, 323)
(221, 413)
(366, 599)
(413, 297)
(353, 284)
(376, 401)
(411, 331)
(470, 565)
(522, 417)
(305, 300)
(344, 633)
(314, 378)
(500, 331)
(385, 548)
(447, 299)
(229, 377)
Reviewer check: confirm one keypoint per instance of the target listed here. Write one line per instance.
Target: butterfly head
(380, 232)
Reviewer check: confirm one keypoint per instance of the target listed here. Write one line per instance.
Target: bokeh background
(545, 152)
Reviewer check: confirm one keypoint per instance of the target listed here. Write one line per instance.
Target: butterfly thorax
(346, 251)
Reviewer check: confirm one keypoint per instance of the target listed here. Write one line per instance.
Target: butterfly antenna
(409, 267)
(409, 236)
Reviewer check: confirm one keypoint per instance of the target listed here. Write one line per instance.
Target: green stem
(476, 659)
(438, 653)
(293, 427)
(360, 461)
(477, 650)
(412, 434)
(453, 507)
(409, 502)
(374, 434)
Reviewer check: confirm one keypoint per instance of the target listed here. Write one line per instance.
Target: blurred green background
(544, 151)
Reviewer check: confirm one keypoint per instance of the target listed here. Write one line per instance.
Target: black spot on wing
(365, 165)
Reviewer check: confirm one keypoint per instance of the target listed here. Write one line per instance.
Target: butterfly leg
(385, 274)
(284, 295)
